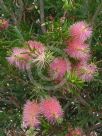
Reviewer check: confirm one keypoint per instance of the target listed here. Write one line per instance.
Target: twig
(42, 16)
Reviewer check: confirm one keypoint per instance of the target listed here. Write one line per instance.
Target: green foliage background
(15, 87)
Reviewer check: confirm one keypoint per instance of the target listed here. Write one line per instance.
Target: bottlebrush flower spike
(3, 24)
(78, 50)
(20, 58)
(38, 52)
(86, 71)
(59, 67)
(80, 30)
(31, 112)
(37, 47)
(51, 109)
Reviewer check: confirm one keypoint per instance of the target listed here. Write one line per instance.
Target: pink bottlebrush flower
(86, 71)
(80, 30)
(78, 50)
(59, 67)
(3, 24)
(20, 58)
(38, 52)
(76, 132)
(51, 109)
(37, 47)
(31, 113)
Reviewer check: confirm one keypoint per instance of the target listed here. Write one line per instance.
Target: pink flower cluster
(50, 108)
(59, 67)
(76, 48)
(22, 57)
(3, 24)
(79, 50)
(86, 71)
(37, 47)
(31, 114)
(80, 31)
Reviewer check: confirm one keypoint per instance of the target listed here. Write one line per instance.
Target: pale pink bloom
(37, 51)
(31, 113)
(86, 71)
(76, 132)
(39, 60)
(3, 24)
(37, 47)
(20, 58)
(59, 67)
(78, 50)
(80, 30)
(51, 109)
